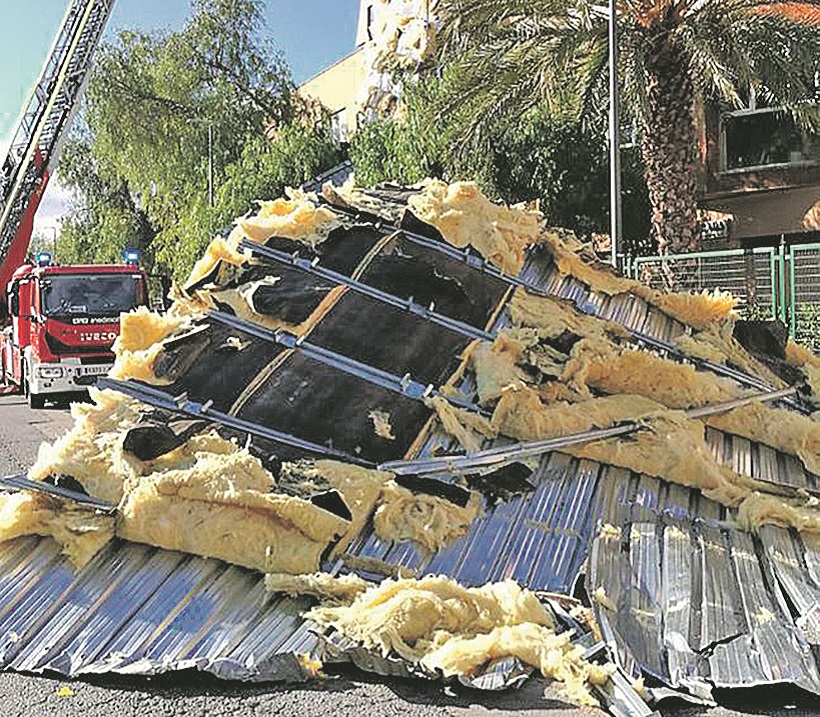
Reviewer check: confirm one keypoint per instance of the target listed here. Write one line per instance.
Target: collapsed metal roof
(691, 600)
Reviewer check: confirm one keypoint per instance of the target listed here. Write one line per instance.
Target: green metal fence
(769, 282)
(804, 293)
(751, 275)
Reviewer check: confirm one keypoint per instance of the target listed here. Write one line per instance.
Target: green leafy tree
(158, 107)
(509, 56)
(263, 171)
(105, 217)
(555, 159)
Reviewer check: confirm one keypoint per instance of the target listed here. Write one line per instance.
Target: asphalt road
(348, 693)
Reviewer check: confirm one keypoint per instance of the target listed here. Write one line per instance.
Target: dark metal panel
(783, 656)
(539, 538)
(325, 405)
(722, 616)
(398, 342)
(677, 575)
(31, 582)
(181, 576)
(139, 610)
(129, 588)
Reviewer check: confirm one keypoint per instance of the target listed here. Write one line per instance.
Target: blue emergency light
(131, 257)
(44, 258)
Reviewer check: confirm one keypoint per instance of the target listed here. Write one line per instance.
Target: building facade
(760, 177)
(390, 34)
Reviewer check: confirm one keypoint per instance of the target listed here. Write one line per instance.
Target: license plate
(94, 370)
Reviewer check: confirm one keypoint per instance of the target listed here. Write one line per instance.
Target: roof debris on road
(400, 427)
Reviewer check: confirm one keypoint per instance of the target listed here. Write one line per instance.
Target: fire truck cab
(64, 321)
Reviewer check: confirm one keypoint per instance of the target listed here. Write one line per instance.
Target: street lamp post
(614, 139)
(210, 163)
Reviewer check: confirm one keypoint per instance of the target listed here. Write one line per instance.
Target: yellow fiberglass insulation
(381, 424)
(296, 217)
(699, 311)
(81, 532)
(465, 217)
(809, 365)
(330, 590)
(218, 507)
(594, 364)
(427, 520)
(359, 487)
(446, 627)
(469, 429)
(718, 344)
(219, 250)
(403, 35)
(553, 316)
(91, 451)
(497, 363)
(352, 197)
(572, 259)
(785, 430)
(140, 341)
(522, 415)
(801, 514)
(672, 447)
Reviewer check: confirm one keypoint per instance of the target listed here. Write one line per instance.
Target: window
(89, 294)
(763, 136)
(338, 126)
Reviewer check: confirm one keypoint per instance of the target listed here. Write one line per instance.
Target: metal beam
(478, 263)
(404, 385)
(313, 268)
(507, 454)
(181, 405)
(21, 482)
(615, 207)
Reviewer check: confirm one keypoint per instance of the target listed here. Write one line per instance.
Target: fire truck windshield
(89, 295)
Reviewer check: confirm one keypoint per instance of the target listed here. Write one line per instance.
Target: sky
(312, 34)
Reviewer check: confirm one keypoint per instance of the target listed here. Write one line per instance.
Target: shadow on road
(537, 695)
(189, 683)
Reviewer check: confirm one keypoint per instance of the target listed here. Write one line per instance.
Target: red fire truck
(64, 320)
(60, 321)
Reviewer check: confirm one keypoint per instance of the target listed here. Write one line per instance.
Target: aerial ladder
(61, 320)
(35, 145)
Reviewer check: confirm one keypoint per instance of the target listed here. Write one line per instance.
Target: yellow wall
(338, 87)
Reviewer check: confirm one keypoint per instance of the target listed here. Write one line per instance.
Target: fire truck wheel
(35, 400)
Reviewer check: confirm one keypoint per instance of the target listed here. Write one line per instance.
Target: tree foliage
(556, 159)
(508, 57)
(157, 107)
(105, 216)
(262, 171)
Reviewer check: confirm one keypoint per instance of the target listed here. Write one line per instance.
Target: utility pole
(614, 139)
(210, 163)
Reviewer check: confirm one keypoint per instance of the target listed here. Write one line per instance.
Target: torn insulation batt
(454, 630)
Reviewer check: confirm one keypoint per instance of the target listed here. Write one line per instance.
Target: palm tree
(504, 57)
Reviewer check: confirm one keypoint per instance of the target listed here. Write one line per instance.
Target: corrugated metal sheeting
(682, 594)
(140, 610)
